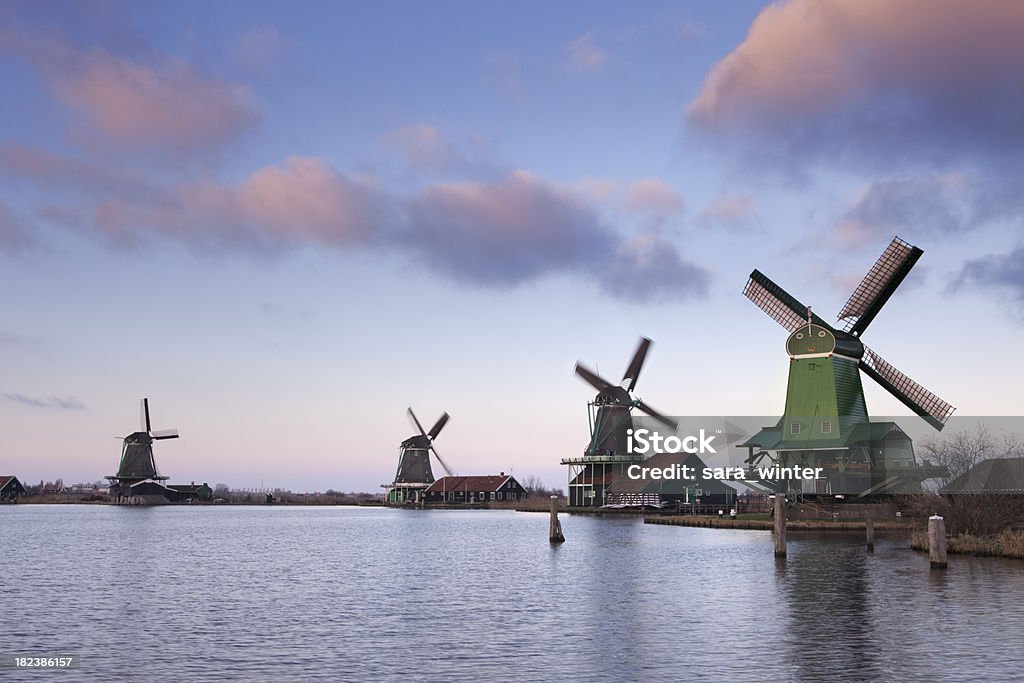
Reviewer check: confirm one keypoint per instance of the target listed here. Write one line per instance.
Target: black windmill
(611, 415)
(137, 462)
(414, 472)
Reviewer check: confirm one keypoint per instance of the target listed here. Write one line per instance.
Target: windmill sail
(144, 415)
(438, 426)
(633, 371)
(933, 409)
(878, 285)
(778, 303)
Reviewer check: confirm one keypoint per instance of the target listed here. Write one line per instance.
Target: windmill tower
(414, 474)
(137, 462)
(610, 412)
(826, 421)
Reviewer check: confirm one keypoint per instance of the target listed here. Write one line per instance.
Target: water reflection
(826, 594)
(353, 594)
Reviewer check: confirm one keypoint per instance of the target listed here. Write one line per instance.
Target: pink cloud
(163, 103)
(805, 57)
(302, 201)
(166, 105)
(423, 147)
(729, 210)
(584, 55)
(653, 195)
(53, 170)
(499, 233)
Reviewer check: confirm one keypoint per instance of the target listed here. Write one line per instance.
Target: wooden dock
(768, 524)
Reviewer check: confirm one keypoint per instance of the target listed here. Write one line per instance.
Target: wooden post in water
(937, 542)
(869, 531)
(555, 531)
(780, 524)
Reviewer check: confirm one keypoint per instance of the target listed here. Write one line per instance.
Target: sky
(285, 223)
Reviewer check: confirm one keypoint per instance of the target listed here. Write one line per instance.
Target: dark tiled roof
(7, 479)
(997, 475)
(487, 482)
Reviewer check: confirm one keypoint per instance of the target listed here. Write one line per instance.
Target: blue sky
(286, 223)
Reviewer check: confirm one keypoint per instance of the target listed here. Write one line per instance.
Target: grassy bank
(1008, 543)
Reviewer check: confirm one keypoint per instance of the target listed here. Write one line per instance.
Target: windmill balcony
(587, 459)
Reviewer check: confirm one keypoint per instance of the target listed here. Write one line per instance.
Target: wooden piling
(937, 542)
(780, 524)
(869, 532)
(555, 530)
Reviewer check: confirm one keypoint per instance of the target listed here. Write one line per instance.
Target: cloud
(302, 201)
(583, 55)
(937, 203)
(909, 73)
(505, 232)
(16, 232)
(54, 170)
(655, 198)
(422, 147)
(925, 97)
(1003, 272)
(57, 402)
(494, 234)
(649, 269)
(730, 210)
(155, 104)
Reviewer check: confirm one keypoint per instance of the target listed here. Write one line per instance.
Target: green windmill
(826, 423)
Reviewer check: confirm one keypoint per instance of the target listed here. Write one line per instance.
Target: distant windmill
(137, 462)
(826, 420)
(414, 473)
(614, 403)
(611, 411)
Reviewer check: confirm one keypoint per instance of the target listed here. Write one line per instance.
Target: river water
(354, 594)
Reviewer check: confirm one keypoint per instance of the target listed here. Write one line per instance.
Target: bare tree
(960, 451)
(533, 484)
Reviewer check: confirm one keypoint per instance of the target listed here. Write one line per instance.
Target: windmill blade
(633, 371)
(667, 421)
(416, 422)
(437, 455)
(933, 409)
(438, 426)
(778, 303)
(144, 415)
(592, 378)
(878, 285)
(165, 434)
